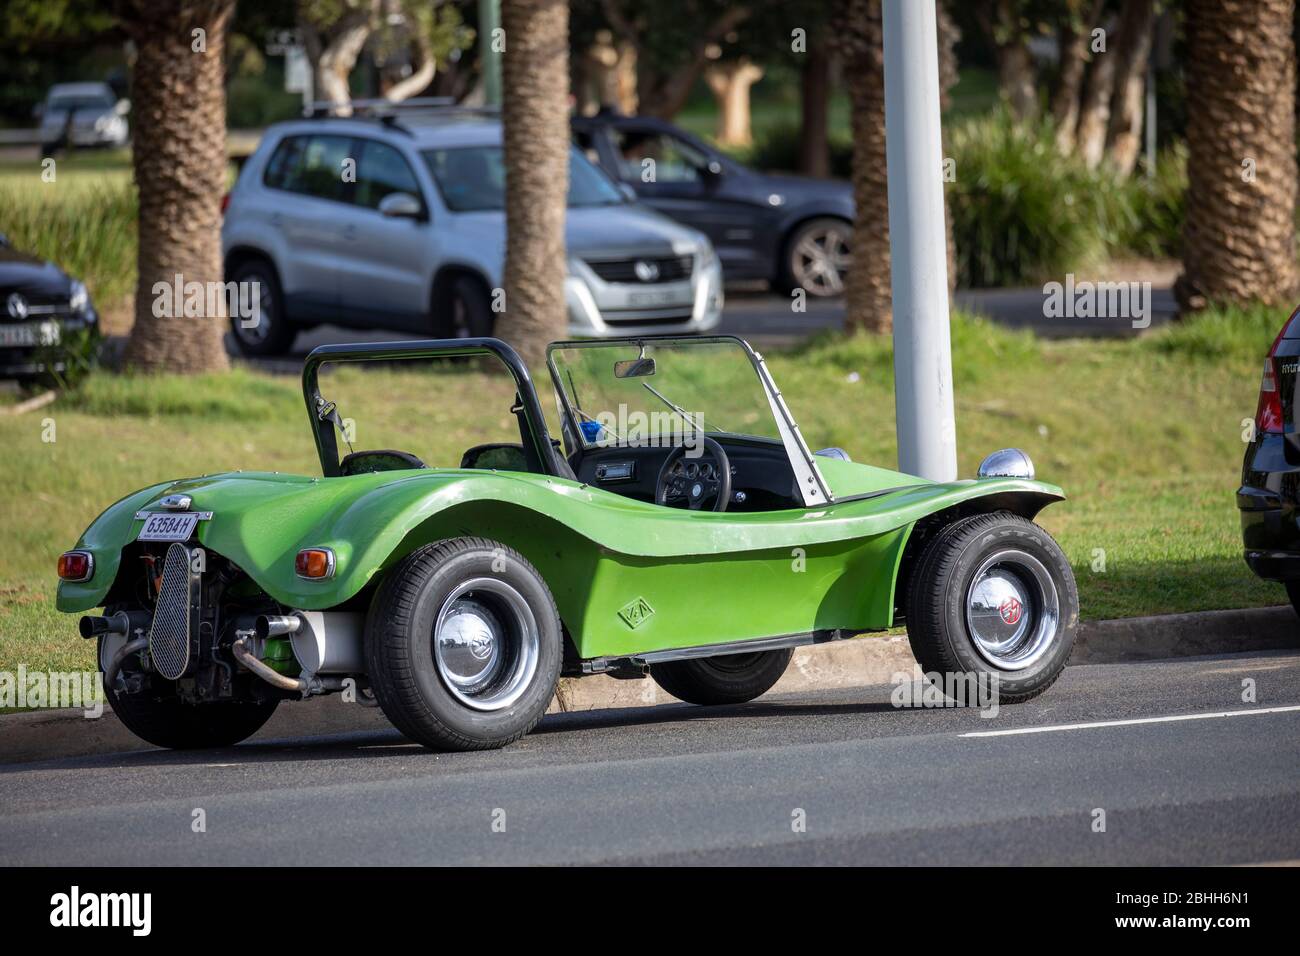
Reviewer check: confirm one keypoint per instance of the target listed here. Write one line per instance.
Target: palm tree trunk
(1239, 233)
(815, 88)
(535, 117)
(857, 31)
(179, 156)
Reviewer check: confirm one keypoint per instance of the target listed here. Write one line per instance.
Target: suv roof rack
(388, 109)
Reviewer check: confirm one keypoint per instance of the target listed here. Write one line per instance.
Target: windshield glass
(473, 179)
(623, 394)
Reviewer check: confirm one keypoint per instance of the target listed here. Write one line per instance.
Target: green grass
(1145, 436)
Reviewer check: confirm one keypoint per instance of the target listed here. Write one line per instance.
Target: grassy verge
(1144, 435)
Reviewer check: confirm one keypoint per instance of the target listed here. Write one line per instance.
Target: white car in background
(414, 241)
(88, 114)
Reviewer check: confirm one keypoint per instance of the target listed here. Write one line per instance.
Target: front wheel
(463, 645)
(727, 679)
(818, 256)
(993, 596)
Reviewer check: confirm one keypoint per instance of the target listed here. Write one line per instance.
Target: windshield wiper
(686, 416)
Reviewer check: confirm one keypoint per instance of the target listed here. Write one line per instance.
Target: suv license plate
(168, 527)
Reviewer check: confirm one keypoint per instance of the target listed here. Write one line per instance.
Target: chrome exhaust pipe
(123, 623)
(276, 625)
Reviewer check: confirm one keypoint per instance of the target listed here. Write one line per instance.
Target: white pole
(927, 434)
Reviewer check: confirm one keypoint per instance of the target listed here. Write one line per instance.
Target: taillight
(314, 563)
(1268, 413)
(76, 565)
(225, 203)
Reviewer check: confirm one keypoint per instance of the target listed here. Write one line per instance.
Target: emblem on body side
(636, 613)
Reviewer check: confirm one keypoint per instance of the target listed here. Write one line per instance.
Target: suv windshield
(80, 102)
(627, 393)
(473, 179)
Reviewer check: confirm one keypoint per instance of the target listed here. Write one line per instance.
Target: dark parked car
(1269, 496)
(789, 230)
(40, 305)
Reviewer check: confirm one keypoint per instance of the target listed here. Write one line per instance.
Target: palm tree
(857, 31)
(179, 155)
(535, 118)
(1239, 234)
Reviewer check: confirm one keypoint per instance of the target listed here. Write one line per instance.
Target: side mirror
(401, 206)
(628, 192)
(123, 107)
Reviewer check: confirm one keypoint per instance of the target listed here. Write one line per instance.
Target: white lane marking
(1129, 723)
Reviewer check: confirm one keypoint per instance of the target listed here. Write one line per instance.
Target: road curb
(50, 734)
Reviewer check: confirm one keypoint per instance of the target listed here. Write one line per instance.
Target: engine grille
(171, 637)
(671, 269)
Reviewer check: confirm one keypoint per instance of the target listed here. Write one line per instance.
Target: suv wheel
(465, 312)
(818, 257)
(271, 332)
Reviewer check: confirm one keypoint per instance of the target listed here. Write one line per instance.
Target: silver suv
(414, 239)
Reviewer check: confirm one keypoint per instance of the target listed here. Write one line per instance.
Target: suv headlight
(79, 298)
(707, 256)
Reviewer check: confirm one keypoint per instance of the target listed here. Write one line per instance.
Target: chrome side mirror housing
(401, 206)
(1007, 463)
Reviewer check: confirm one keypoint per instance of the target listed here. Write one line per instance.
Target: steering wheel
(696, 480)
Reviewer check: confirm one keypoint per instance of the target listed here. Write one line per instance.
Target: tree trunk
(1133, 48)
(1094, 113)
(179, 158)
(857, 34)
(814, 123)
(420, 77)
(949, 34)
(1016, 78)
(535, 120)
(730, 83)
(1239, 233)
(333, 53)
(1073, 39)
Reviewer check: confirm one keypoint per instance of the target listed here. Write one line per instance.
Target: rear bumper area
(1270, 531)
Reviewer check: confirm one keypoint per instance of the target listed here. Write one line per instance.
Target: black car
(1269, 496)
(788, 230)
(40, 305)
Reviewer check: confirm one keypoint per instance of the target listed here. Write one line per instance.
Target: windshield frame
(808, 477)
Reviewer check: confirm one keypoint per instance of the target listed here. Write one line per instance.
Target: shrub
(1021, 212)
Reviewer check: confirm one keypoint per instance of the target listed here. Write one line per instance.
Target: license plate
(653, 298)
(168, 527)
(30, 333)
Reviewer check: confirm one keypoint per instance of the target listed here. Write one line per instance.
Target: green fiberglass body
(678, 528)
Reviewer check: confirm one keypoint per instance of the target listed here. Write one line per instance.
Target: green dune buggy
(679, 528)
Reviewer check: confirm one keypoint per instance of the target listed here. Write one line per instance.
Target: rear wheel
(726, 679)
(818, 257)
(267, 331)
(993, 595)
(158, 716)
(463, 645)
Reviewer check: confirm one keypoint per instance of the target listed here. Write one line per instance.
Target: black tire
(1293, 592)
(939, 628)
(466, 310)
(726, 679)
(789, 278)
(273, 333)
(411, 688)
(158, 716)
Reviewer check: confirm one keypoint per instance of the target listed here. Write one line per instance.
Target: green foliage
(70, 361)
(1151, 209)
(1021, 212)
(237, 395)
(1232, 333)
(84, 221)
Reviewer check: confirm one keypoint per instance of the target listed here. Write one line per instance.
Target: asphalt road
(681, 784)
(766, 319)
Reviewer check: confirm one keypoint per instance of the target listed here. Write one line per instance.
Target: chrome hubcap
(821, 259)
(1012, 610)
(485, 644)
